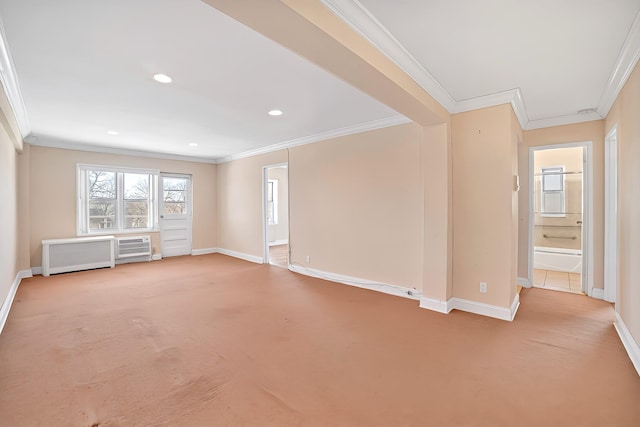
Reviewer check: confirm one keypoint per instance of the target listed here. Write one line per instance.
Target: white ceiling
(85, 67)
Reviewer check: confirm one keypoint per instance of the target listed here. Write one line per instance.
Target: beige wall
(53, 194)
(484, 205)
(356, 206)
(280, 231)
(8, 214)
(437, 183)
(580, 132)
(625, 114)
(239, 195)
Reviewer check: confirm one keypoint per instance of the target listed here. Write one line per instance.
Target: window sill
(118, 232)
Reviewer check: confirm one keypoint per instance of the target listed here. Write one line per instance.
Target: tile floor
(557, 280)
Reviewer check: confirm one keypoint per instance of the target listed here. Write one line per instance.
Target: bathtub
(557, 259)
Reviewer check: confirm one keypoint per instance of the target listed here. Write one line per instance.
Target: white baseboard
(630, 344)
(524, 282)
(279, 242)
(357, 282)
(8, 301)
(475, 307)
(204, 251)
(36, 270)
(435, 305)
(156, 257)
(246, 257)
(597, 293)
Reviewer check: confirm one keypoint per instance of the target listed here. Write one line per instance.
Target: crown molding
(362, 21)
(513, 97)
(9, 80)
(625, 63)
(359, 18)
(68, 145)
(348, 130)
(563, 120)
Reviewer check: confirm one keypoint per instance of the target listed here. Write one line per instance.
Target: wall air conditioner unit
(136, 246)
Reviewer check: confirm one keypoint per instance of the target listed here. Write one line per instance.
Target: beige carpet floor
(216, 341)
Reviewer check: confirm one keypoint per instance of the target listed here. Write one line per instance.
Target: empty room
(319, 213)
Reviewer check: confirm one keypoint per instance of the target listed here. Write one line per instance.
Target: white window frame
(562, 213)
(274, 201)
(82, 208)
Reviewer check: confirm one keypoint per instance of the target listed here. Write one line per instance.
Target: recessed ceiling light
(275, 112)
(162, 78)
(112, 132)
(193, 144)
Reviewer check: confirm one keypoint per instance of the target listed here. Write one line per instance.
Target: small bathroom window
(552, 203)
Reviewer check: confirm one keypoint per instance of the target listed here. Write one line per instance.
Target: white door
(175, 214)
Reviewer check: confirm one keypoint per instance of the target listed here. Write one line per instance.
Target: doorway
(174, 209)
(276, 214)
(560, 233)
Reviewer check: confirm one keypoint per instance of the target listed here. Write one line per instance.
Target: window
(552, 203)
(174, 195)
(115, 200)
(272, 202)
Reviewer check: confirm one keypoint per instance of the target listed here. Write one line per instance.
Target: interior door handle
(579, 222)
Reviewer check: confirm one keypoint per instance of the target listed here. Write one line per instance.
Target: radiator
(127, 247)
(80, 253)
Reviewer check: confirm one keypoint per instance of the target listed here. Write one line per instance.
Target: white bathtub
(569, 260)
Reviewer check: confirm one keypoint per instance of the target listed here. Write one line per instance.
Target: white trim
(625, 63)
(348, 130)
(357, 282)
(8, 301)
(611, 215)
(44, 141)
(524, 282)
(562, 120)
(279, 242)
(9, 80)
(36, 270)
(362, 21)
(240, 255)
(435, 305)
(597, 293)
(204, 251)
(156, 257)
(513, 97)
(475, 307)
(630, 344)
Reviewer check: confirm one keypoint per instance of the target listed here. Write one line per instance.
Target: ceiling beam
(311, 30)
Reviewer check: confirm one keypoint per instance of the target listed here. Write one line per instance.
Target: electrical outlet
(483, 287)
(308, 258)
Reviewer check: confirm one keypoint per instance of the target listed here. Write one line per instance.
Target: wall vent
(75, 254)
(128, 247)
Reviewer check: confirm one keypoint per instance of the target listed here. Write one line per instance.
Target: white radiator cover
(133, 246)
(75, 254)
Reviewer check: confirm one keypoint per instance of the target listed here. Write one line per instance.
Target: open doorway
(559, 219)
(276, 214)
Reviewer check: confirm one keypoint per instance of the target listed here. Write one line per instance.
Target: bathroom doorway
(559, 201)
(276, 214)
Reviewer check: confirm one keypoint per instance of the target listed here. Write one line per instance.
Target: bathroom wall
(567, 229)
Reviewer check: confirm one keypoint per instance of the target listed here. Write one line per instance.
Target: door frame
(189, 206)
(587, 209)
(611, 215)
(265, 226)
